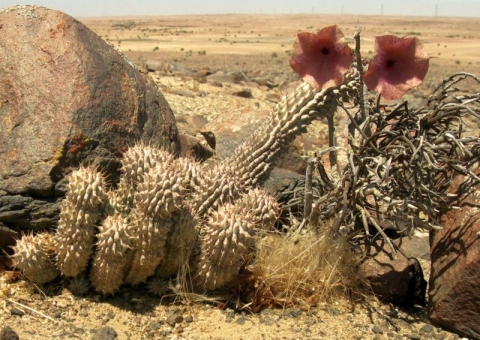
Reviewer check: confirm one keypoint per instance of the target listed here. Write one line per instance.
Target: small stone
(333, 311)
(173, 319)
(246, 93)
(8, 334)
(105, 333)
(413, 336)
(185, 93)
(79, 330)
(189, 319)
(295, 312)
(241, 320)
(426, 328)
(154, 326)
(377, 330)
(16, 311)
(229, 315)
(165, 332)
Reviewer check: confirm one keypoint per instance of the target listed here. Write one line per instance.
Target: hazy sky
(79, 8)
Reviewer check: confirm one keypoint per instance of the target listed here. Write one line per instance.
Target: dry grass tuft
(302, 271)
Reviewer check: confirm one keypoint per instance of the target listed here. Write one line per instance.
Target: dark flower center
(390, 63)
(325, 51)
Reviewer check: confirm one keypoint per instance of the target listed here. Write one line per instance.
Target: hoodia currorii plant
(169, 213)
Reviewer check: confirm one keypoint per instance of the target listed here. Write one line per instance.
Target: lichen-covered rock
(81, 210)
(65, 89)
(33, 256)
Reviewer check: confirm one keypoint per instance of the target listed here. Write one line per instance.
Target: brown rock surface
(66, 97)
(454, 295)
(397, 280)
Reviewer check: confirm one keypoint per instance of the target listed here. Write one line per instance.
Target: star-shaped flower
(399, 65)
(321, 59)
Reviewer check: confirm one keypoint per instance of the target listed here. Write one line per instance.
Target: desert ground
(262, 43)
(260, 47)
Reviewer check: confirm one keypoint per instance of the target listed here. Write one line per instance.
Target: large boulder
(454, 294)
(66, 98)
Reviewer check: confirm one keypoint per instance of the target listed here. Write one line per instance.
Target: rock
(274, 97)
(105, 333)
(249, 84)
(185, 93)
(238, 76)
(246, 93)
(229, 77)
(155, 65)
(16, 311)
(7, 236)
(8, 334)
(218, 77)
(377, 330)
(397, 280)
(454, 297)
(66, 98)
(193, 148)
(173, 319)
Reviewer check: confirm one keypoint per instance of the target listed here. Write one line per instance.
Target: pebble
(188, 319)
(295, 312)
(172, 320)
(241, 320)
(105, 333)
(154, 325)
(377, 330)
(247, 93)
(16, 311)
(185, 93)
(426, 328)
(8, 334)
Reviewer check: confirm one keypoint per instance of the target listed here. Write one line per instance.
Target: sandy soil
(258, 45)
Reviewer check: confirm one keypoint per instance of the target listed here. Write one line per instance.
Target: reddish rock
(66, 98)
(397, 280)
(454, 294)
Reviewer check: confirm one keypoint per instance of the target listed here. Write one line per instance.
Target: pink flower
(399, 65)
(321, 59)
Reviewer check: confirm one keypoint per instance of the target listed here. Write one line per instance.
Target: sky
(89, 8)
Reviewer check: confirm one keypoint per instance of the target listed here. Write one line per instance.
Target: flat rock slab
(66, 98)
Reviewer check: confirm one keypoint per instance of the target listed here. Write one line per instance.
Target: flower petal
(399, 65)
(321, 59)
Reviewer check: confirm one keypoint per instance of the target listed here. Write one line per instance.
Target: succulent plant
(167, 212)
(180, 242)
(33, 256)
(137, 161)
(80, 212)
(227, 240)
(109, 261)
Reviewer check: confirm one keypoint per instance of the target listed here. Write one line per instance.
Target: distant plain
(263, 42)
